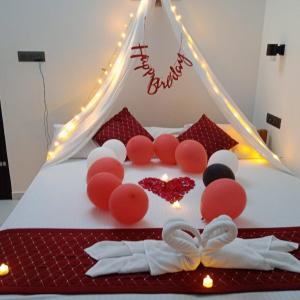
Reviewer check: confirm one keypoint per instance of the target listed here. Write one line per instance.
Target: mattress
(57, 199)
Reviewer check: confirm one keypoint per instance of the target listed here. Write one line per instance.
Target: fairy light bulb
(204, 66)
(249, 129)
(173, 8)
(70, 126)
(216, 90)
(178, 18)
(63, 134)
(56, 143)
(123, 35)
(105, 72)
(131, 15)
(77, 118)
(119, 44)
(100, 81)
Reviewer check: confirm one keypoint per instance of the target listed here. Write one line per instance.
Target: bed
(57, 199)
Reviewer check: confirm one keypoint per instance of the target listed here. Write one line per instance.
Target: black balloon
(217, 171)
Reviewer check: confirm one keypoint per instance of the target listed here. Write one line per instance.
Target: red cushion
(122, 126)
(212, 137)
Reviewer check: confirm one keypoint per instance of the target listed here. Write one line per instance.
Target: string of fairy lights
(69, 127)
(213, 84)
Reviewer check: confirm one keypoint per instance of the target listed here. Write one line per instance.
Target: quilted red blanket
(53, 261)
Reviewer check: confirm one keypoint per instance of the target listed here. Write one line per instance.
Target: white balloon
(118, 147)
(99, 152)
(226, 158)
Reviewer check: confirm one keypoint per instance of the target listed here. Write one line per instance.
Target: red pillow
(212, 137)
(122, 126)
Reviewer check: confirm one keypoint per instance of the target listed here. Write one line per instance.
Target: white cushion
(157, 131)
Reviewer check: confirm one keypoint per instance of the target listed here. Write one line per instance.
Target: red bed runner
(46, 261)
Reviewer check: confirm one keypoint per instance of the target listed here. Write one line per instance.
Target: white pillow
(157, 131)
(85, 151)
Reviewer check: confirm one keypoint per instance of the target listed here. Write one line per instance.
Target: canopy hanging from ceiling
(77, 132)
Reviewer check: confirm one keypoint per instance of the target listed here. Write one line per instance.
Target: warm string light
(177, 17)
(69, 128)
(215, 88)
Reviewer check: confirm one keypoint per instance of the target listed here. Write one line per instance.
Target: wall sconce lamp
(274, 49)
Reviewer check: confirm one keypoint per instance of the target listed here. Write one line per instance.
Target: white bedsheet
(57, 199)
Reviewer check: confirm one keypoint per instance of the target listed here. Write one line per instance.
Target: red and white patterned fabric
(122, 126)
(53, 261)
(212, 137)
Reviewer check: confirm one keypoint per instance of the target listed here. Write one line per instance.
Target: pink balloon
(223, 197)
(140, 149)
(128, 203)
(191, 156)
(164, 147)
(100, 188)
(106, 164)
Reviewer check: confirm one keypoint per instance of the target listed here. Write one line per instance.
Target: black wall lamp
(274, 49)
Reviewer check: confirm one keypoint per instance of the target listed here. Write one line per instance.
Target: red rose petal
(172, 191)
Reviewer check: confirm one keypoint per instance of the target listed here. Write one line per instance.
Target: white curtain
(76, 133)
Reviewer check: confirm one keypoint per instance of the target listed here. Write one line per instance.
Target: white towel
(183, 249)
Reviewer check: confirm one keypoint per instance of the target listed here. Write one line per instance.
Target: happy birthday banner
(155, 82)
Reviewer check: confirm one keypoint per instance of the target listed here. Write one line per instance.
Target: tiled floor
(6, 207)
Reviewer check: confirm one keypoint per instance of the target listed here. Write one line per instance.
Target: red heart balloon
(172, 190)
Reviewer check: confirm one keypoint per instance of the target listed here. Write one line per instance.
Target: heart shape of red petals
(172, 190)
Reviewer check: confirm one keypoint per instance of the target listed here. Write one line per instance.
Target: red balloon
(140, 149)
(191, 156)
(100, 188)
(128, 203)
(164, 147)
(106, 164)
(223, 197)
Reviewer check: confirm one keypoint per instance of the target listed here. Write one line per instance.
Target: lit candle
(208, 282)
(4, 270)
(176, 204)
(165, 178)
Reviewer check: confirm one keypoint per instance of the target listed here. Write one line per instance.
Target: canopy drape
(77, 132)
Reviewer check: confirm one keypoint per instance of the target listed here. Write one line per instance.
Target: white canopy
(77, 132)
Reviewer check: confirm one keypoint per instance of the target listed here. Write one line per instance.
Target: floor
(6, 207)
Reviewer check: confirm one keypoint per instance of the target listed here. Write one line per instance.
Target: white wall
(79, 36)
(279, 79)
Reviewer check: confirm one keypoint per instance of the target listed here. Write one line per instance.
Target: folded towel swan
(182, 248)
